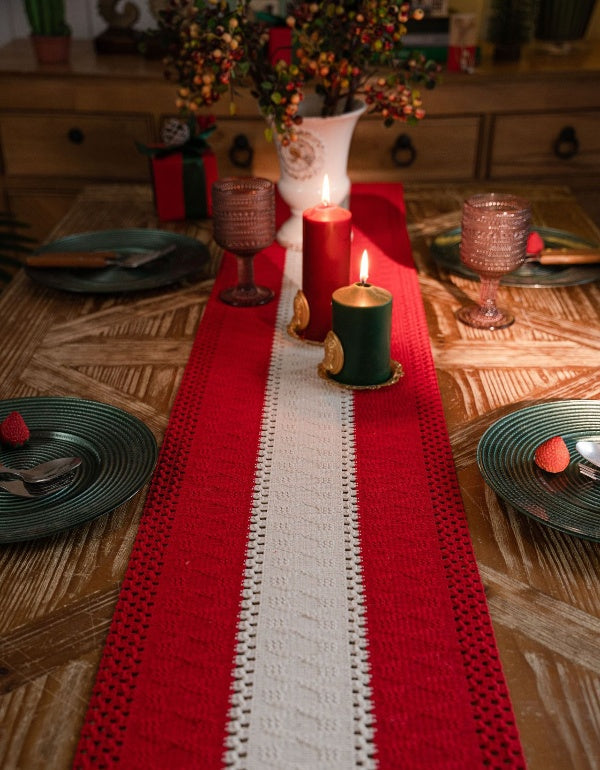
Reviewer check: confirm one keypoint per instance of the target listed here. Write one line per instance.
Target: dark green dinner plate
(567, 501)
(445, 250)
(191, 257)
(118, 455)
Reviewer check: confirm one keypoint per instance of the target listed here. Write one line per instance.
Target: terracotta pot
(51, 49)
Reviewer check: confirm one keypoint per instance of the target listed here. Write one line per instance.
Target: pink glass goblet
(495, 227)
(244, 224)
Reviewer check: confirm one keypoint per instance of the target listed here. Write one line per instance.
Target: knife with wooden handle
(566, 257)
(73, 259)
(95, 259)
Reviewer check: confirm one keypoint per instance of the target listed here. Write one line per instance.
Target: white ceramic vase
(321, 148)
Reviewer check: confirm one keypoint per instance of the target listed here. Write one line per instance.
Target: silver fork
(591, 473)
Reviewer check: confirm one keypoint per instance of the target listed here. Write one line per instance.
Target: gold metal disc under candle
(333, 360)
(396, 373)
(300, 319)
(301, 315)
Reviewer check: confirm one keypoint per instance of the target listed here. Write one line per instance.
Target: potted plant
(342, 50)
(348, 55)
(50, 33)
(510, 27)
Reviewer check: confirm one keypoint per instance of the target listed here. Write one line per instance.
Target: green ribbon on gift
(195, 194)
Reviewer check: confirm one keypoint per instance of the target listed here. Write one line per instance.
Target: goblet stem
(246, 293)
(487, 297)
(245, 269)
(486, 315)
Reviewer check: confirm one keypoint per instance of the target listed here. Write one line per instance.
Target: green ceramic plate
(191, 257)
(445, 250)
(118, 451)
(566, 501)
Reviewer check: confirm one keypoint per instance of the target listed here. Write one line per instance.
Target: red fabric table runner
(195, 673)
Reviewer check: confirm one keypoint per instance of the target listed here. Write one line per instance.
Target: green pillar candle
(362, 321)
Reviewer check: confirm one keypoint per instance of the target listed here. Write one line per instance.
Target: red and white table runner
(303, 593)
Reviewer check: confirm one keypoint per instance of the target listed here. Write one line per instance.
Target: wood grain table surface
(58, 593)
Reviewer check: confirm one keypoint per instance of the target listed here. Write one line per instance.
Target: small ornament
(120, 35)
(175, 133)
(118, 19)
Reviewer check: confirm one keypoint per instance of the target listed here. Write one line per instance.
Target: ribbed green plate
(445, 250)
(191, 257)
(118, 451)
(566, 501)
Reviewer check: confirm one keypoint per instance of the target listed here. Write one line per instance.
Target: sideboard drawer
(435, 149)
(545, 145)
(444, 148)
(75, 145)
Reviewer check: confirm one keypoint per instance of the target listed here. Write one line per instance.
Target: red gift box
(280, 44)
(183, 184)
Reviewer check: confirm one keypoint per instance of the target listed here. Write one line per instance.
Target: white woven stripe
(301, 672)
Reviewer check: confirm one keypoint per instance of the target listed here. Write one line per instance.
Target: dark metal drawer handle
(566, 145)
(403, 151)
(75, 135)
(241, 153)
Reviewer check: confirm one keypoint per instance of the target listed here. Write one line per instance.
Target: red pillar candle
(325, 262)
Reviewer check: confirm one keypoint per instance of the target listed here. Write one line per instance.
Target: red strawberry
(552, 455)
(13, 430)
(534, 243)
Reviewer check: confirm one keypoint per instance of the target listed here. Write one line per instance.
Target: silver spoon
(24, 489)
(43, 472)
(590, 449)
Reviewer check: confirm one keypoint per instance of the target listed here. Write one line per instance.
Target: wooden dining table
(129, 350)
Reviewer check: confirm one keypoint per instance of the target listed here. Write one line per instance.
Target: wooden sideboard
(62, 127)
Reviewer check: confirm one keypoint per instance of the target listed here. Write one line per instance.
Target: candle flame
(364, 267)
(325, 195)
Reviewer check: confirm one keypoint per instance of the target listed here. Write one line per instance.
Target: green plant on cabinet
(47, 17)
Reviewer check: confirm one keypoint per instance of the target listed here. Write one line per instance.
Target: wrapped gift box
(183, 169)
(462, 50)
(280, 44)
(183, 183)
